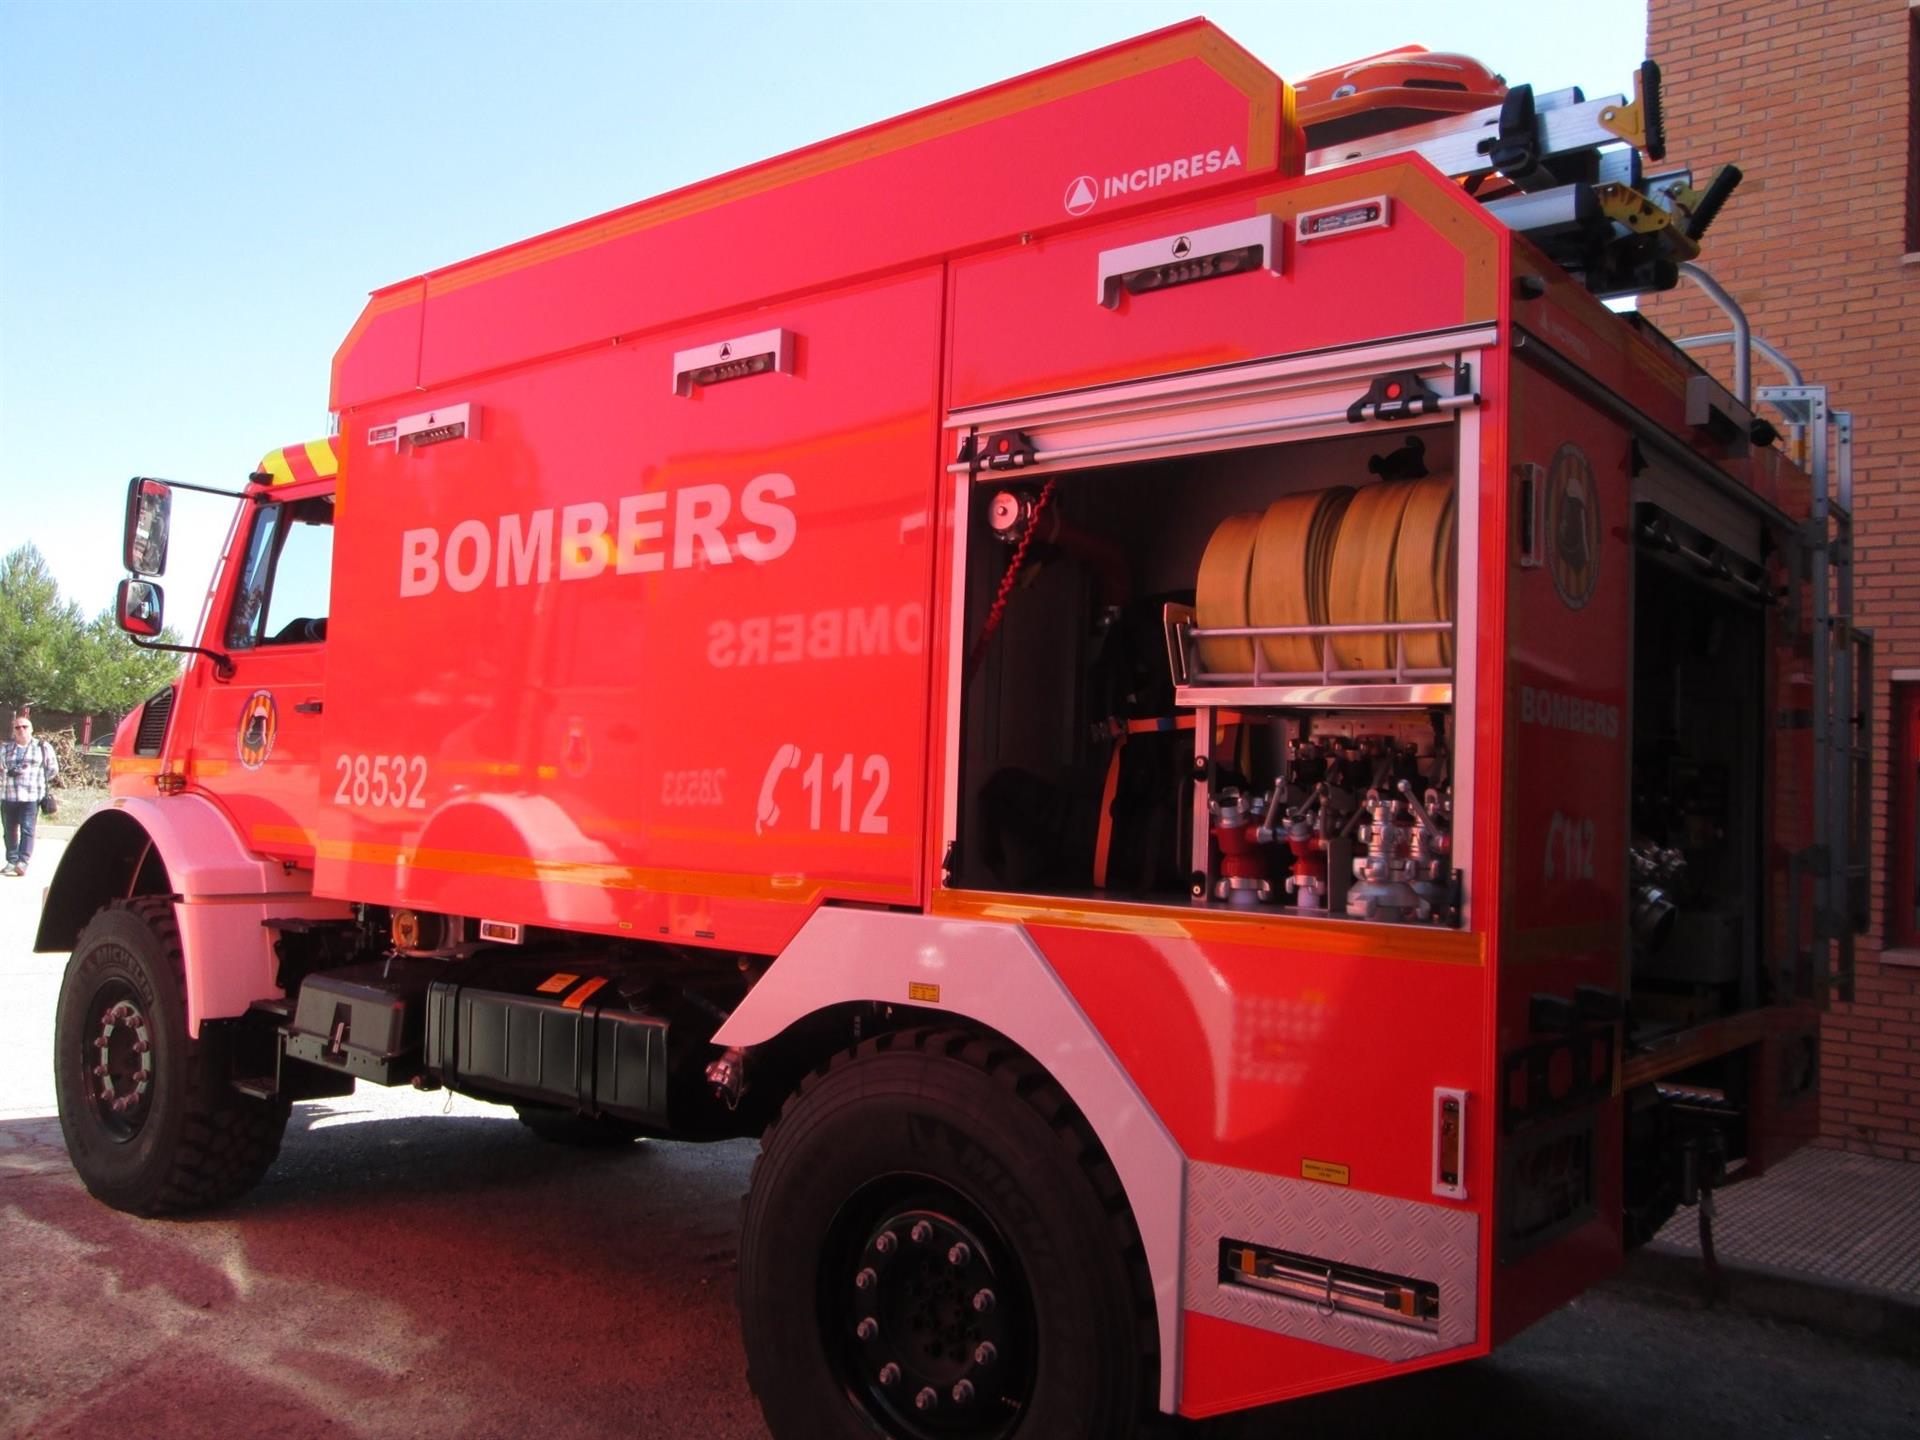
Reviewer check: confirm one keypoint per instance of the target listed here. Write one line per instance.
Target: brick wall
(1812, 100)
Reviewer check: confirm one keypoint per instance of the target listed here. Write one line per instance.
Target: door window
(286, 578)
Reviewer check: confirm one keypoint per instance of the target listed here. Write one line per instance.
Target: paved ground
(1848, 1218)
(413, 1274)
(29, 984)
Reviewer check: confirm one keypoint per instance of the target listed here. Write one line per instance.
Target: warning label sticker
(1326, 1170)
(554, 984)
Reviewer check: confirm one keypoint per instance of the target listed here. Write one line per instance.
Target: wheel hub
(936, 1324)
(119, 1062)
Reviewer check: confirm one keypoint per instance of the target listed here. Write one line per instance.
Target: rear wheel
(935, 1248)
(149, 1118)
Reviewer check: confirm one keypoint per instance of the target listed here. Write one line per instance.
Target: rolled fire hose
(1382, 553)
(1360, 580)
(1423, 568)
(1220, 593)
(1292, 555)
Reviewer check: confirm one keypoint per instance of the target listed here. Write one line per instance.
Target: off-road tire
(980, 1121)
(579, 1132)
(195, 1141)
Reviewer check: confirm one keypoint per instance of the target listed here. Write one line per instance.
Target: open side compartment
(1214, 678)
(1716, 1058)
(1700, 684)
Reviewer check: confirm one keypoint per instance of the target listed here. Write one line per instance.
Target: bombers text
(636, 534)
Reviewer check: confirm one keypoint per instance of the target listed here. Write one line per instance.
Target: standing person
(26, 767)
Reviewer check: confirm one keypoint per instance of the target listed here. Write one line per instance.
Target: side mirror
(140, 606)
(149, 503)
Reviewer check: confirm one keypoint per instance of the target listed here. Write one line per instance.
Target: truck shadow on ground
(419, 1275)
(429, 1275)
(1479, 1400)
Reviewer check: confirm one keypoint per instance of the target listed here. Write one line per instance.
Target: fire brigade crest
(259, 724)
(1572, 526)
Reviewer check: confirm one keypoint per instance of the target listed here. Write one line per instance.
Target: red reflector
(1393, 392)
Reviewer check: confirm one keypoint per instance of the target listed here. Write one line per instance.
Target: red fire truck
(1243, 783)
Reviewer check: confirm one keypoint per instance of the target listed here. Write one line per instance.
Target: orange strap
(1103, 840)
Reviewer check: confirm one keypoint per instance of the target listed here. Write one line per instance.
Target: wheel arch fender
(992, 974)
(185, 847)
(110, 857)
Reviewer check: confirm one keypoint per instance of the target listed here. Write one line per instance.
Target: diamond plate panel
(1440, 1243)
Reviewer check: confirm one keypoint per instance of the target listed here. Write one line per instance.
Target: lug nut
(106, 1019)
(926, 1399)
(889, 1374)
(959, 1254)
(885, 1242)
(99, 1072)
(963, 1392)
(984, 1353)
(922, 1232)
(867, 1328)
(141, 1047)
(983, 1301)
(864, 1280)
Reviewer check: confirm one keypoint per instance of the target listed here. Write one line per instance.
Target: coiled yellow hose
(1382, 553)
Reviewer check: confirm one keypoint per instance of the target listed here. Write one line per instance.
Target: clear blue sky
(195, 199)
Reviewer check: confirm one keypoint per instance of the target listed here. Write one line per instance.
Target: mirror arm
(202, 489)
(222, 665)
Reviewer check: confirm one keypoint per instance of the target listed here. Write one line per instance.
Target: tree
(39, 633)
(114, 674)
(51, 655)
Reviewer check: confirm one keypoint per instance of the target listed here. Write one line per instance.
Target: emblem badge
(259, 725)
(1572, 526)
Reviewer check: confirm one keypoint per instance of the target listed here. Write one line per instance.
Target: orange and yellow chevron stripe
(292, 463)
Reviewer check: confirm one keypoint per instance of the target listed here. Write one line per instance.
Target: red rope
(999, 610)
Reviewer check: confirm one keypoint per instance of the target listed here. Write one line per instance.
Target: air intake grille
(153, 722)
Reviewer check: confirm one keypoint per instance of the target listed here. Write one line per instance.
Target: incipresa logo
(1085, 191)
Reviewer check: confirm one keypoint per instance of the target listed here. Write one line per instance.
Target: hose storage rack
(1401, 685)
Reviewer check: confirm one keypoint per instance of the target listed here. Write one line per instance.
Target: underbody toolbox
(364, 1019)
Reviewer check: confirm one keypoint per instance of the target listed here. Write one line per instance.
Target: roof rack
(1567, 172)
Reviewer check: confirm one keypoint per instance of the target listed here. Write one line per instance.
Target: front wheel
(150, 1120)
(935, 1248)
